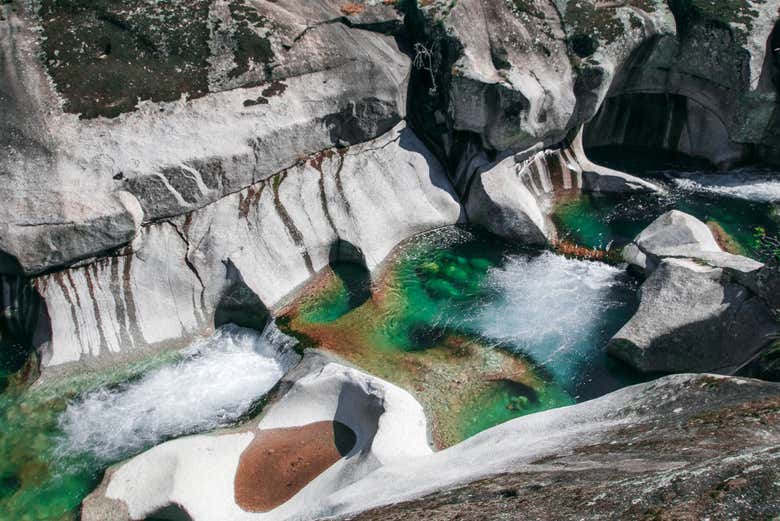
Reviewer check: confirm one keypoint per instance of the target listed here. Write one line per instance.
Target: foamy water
(559, 311)
(214, 384)
(748, 185)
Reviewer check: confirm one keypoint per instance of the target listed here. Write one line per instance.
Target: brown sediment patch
(724, 239)
(280, 462)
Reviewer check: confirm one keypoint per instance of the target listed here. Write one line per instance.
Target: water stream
(479, 331)
(57, 438)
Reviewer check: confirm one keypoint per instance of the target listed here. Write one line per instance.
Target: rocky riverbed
(389, 259)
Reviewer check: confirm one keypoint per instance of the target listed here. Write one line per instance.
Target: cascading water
(561, 312)
(53, 451)
(750, 185)
(214, 384)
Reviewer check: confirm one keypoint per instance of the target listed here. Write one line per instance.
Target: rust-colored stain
(280, 462)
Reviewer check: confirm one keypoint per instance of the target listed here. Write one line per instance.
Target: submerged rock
(657, 447)
(700, 308)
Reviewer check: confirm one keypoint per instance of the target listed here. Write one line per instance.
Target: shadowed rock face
(705, 92)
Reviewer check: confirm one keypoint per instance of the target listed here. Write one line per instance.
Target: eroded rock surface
(704, 91)
(514, 198)
(646, 469)
(205, 472)
(686, 446)
(182, 276)
(174, 155)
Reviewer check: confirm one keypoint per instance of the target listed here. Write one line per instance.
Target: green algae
(505, 400)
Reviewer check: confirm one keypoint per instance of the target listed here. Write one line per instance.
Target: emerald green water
(37, 482)
(601, 220)
(739, 203)
(459, 314)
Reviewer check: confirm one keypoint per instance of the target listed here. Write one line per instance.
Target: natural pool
(739, 206)
(480, 332)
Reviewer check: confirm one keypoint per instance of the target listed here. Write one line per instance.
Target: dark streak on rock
(339, 184)
(276, 88)
(128, 292)
(293, 230)
(251, 199)
(190, 265)
(58, 278)
(119, 304)
(95, 307)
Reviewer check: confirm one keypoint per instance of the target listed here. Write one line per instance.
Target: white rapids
(216, 381)
(749, 185)
(554, 309)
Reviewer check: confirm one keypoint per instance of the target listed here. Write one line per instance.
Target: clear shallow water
(56, 439)
(734, 204)
(478, 331)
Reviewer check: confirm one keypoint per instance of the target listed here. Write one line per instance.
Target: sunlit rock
(700, 309)
(205, 474)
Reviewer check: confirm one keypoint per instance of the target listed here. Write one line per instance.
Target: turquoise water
(738, 202)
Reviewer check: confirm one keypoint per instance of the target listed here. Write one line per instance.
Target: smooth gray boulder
(680, 235)
(701, 309)
(692, 318)
(500, 202)
(674, 234)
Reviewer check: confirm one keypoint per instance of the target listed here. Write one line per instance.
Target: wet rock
(513, 198)
(240, 256)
